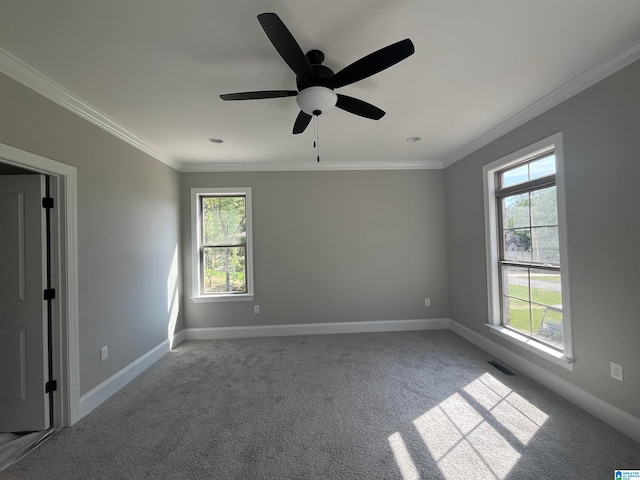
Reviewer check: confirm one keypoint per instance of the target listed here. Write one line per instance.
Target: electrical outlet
(104, 353)
(256, 309)
(427, 302)
(616, 370)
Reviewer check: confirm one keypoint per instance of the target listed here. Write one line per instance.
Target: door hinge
(47, 202)
(50, 294)
(50, 386)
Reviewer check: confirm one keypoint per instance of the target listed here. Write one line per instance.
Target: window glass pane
(223, 221)
(517, 315)
(547, 316)
(224, 270)
(515, 211)
(545, 288)
(544, 207)
(541, 168)
(516, 282)
(551, 328)
(517, 245)
(515, 175)
(537, 315)
(545, 245)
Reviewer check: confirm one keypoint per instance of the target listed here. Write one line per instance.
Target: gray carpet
(362, 406)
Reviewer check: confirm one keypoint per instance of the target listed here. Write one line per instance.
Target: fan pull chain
(316, 140)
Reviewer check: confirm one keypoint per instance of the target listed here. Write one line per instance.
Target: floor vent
(502, 368)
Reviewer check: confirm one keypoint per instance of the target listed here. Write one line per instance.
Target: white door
(24, 405)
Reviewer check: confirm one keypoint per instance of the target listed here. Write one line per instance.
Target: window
(222, 244)
(526, 250)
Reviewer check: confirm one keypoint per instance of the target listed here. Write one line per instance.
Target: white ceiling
(151, 71)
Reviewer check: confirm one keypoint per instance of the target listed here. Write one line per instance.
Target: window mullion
(529, 301)
(537, 266)
(223, 245)
(530, 186)
(201, 263)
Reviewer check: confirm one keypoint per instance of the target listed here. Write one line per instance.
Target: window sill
(240, 297)
(532, 346)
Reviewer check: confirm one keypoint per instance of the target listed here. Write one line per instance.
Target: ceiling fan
(316, 82)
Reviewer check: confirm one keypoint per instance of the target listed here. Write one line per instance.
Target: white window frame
(197, 295)
(553, 143)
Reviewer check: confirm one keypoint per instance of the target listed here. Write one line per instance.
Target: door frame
(64, 263)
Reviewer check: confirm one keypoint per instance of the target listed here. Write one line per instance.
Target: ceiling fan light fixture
(315, 82)
(316, 99)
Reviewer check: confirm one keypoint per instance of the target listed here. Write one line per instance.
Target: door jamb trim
(66, 339)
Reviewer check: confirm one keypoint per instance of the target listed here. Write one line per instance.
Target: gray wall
(334, 247)
(128, 228)
(602, 163)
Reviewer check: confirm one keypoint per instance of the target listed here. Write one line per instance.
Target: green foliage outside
(519, 312)
(224, 244)
(530, 221)
(224, 270)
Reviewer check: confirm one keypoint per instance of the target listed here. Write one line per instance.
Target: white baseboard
(213, 333)
(94, 398)
(611, 415)
(178, 338)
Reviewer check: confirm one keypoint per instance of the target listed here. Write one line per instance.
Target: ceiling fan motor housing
(321, 73)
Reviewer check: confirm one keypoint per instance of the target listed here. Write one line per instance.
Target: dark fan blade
(285, 44)
(358, 107)
(373, 63)
(302, 121)
(259, 95)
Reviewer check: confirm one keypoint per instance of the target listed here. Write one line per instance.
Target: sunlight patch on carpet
(482, 428)
(403, 458)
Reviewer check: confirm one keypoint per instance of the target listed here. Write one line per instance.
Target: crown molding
(38, 82)
(601, 70)
(307, 167)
